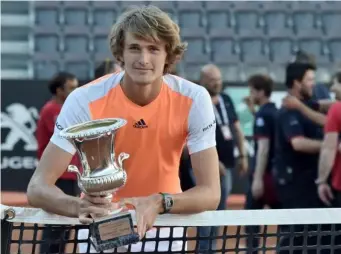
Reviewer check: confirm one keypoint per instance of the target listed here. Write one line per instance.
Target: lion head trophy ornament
(102, 175)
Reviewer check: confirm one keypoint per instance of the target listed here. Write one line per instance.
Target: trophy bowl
(102, 175)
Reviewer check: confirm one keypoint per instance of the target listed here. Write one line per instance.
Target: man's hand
(249, 103)
(222, 169)
(257, 188)
(325, 193)
(291, 102)
(91, 207)
(243, 165)
(147, 209)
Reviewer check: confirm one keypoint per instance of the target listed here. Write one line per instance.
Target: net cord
(209, 218)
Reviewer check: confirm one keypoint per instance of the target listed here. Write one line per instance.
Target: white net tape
(209, 218)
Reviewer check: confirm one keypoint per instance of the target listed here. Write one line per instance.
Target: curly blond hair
(149, 23)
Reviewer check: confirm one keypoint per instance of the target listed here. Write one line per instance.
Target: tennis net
(231, 231)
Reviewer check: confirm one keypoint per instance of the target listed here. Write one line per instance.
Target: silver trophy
(102, 175)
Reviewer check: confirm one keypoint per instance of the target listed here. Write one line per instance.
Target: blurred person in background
(320, 91)
(60, 87)
(336, 86)
(262, 191)
(228, 134)
(106, 67)
(329, 190)
(298, 143)
(322, 106)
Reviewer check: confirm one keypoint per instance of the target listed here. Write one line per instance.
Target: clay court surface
(234, 202)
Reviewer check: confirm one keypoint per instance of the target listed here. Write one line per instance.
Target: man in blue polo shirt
(261, 191)
(298, 143)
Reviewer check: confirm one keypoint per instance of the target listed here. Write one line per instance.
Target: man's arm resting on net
(262, 157)
(206, 194)
(327, 156)
(42, 192)
(306, 145)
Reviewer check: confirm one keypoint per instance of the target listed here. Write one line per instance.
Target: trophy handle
(74, 169)
(121, 158)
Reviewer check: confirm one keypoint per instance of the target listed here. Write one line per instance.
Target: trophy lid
(92, 128)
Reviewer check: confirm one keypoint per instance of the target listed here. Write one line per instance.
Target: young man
(330, 159)
(298, 143)
(60, 87)
(146, 42)
(262, 191)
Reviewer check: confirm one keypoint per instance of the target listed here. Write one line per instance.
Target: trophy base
(113, 231)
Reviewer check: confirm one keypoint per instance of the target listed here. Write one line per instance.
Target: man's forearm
(53, 200)
(196, 200)
(306, 145)
(240, 141)
(313, 115)
(324, 105)
(326, 162)
(261, 161)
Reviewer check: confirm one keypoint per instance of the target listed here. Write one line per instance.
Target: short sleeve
(291, 125)
(74, 111)
(201, 123)
(333, 123)
(262, 128)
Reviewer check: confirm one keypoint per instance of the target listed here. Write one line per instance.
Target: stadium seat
(277, 21)
(248, 70)
(334, 45)
(77, 39)
(224, 50)
(217, 6)
(79, 65)
(126, 4)
(47, 17)
(282, 6)
(306, 22)
(104, 17)
(46, 69)
(192, 71)
(316, 46)
(101, 44)
(197, 48)
(331, 22)
(248, 21)
(108, 5)
(168, 7)
(76, 16)
(230, 72)
(277, 72)
(47, 40)
(254, 50)
(191, 16)
(281, 49)
(218, 23)
(323, 73)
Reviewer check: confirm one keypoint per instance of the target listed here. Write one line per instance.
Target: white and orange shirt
(154, 135)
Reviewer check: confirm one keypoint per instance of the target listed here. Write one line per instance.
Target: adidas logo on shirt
(140, 124)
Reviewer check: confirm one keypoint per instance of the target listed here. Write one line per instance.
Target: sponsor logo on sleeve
(209, 126)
